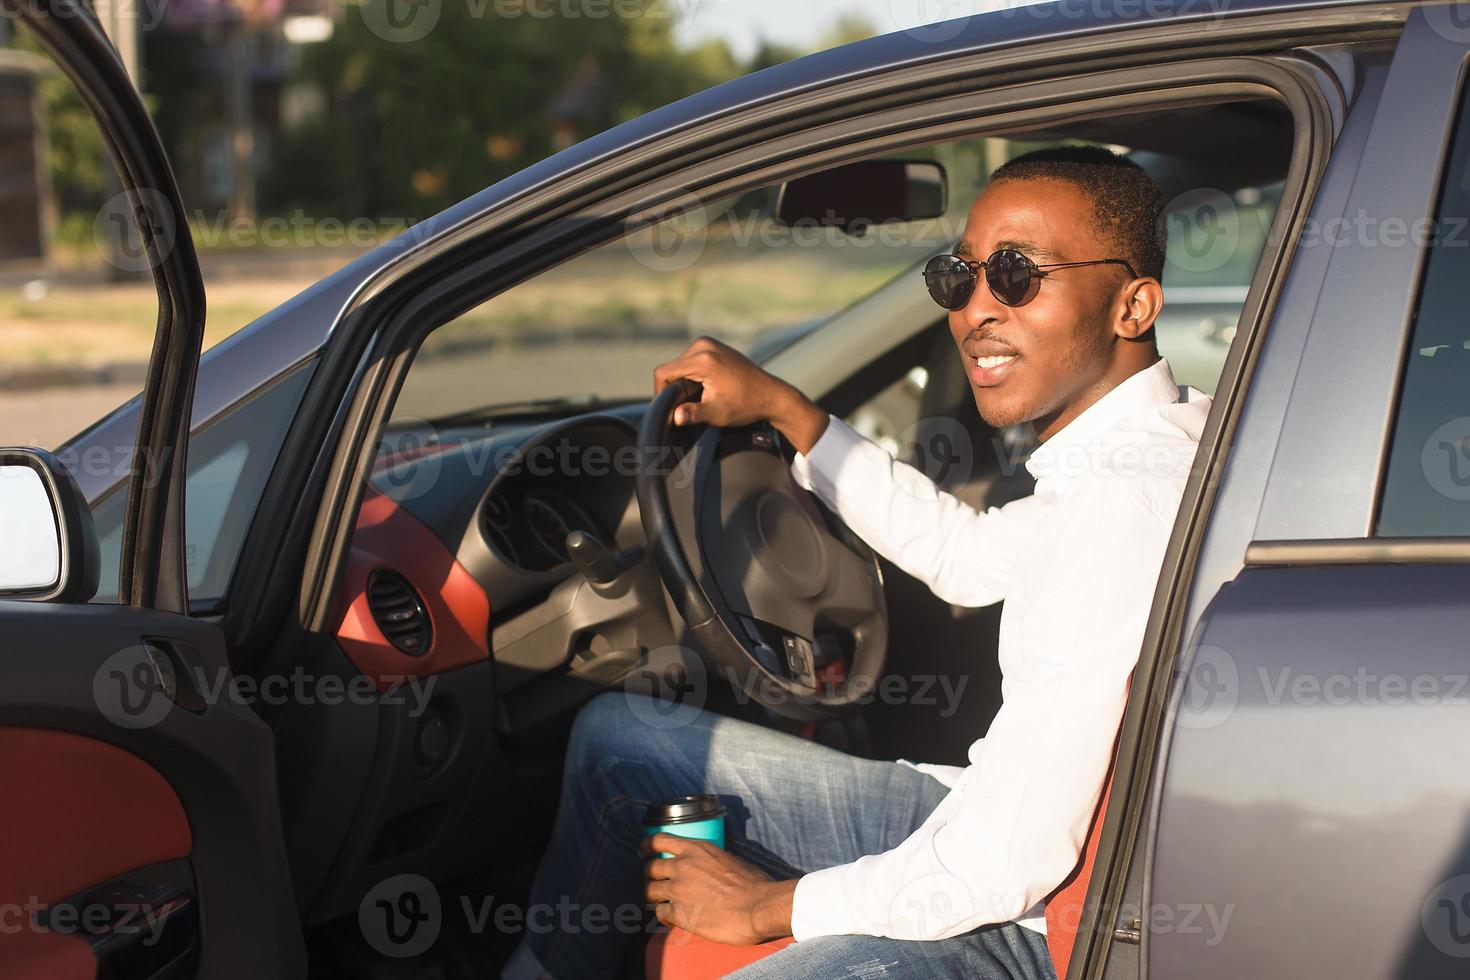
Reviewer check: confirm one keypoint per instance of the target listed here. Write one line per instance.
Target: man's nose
(983, 308)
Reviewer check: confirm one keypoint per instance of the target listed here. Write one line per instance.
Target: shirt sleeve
(1014, 826)
(963, 555)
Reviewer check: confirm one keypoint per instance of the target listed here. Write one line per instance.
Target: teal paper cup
(696, 817)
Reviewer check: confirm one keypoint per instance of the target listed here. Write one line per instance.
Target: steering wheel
(778, 595)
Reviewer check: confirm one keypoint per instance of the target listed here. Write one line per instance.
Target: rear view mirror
(48, 544)
(860, 195)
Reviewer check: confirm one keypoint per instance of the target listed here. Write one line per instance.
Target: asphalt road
(46, 417)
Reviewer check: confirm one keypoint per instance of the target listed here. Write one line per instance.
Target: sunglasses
(1013, 279)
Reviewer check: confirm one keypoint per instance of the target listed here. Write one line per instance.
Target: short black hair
(1126, 203)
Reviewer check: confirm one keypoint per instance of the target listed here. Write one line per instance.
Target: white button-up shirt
(1076, 563)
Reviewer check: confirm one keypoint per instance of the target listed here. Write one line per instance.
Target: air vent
(399, 612)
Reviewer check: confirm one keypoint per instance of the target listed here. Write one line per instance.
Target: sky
(803, 23)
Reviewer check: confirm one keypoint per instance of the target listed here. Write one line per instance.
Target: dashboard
(471, 517)
(457, 599)
(526, 524)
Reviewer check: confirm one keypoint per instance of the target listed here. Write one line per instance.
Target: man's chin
(1000, 413)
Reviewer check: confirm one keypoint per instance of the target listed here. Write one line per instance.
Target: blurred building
(244, 51)
(27, 208)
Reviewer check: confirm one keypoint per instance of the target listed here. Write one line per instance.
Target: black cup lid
(685, 809)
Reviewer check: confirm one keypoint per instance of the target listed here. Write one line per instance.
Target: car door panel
(112, 774)
(1315, 810)
(131, 774)
(1307, 813)
(106, 837)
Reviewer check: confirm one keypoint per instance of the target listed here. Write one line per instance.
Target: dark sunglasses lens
(950, 281)
(1008, 275)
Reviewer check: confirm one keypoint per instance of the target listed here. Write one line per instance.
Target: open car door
(139, 826)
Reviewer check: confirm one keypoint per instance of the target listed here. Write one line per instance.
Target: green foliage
(410, 128)
(77, 157)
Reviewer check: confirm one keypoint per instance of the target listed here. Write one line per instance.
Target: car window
(230, 460)
(1215, 243)
(1426, 490)
(594, 327)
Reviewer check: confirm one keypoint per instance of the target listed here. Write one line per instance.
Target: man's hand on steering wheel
(738, 392)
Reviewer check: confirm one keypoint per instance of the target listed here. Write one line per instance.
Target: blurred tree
(76, 156)
(408, 128)
(848, 28)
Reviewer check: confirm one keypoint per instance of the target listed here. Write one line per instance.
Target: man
(881, 868)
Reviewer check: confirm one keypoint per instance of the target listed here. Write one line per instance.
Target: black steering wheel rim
(706, 612)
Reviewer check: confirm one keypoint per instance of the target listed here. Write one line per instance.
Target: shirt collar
(1149, 388)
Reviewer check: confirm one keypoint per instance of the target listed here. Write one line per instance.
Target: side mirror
(48, 543)
(860, 195)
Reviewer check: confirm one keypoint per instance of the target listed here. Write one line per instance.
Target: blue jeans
(794, 806)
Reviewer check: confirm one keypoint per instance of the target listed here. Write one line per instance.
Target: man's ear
(1141, 299)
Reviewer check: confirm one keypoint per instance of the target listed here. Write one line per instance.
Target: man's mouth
(989, 370)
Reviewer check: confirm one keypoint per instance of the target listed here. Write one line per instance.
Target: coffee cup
(699, 817)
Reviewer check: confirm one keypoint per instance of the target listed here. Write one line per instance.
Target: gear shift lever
(601, 567)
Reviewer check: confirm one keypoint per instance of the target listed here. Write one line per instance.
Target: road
(46, 417)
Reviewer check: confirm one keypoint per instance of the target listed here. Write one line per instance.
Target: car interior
(500, 550)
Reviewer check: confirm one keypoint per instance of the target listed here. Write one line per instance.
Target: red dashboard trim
(387, 536)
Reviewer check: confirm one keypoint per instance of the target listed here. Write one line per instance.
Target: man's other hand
(737, 392)
(713, 894)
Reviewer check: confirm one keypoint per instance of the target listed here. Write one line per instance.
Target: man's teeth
(996, 361)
